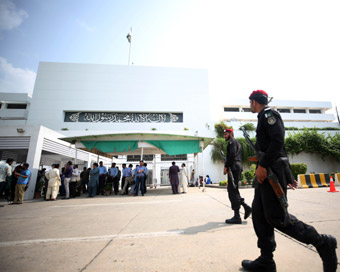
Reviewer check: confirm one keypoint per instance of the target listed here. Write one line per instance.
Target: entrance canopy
(135, 143)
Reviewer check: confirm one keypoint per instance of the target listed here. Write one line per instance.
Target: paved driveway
(157, 232)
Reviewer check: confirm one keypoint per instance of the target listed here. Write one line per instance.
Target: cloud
(10, 16)
(15, 80)
(86, 26)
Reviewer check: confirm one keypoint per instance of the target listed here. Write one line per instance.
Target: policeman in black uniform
(233, 167)
(267, 212)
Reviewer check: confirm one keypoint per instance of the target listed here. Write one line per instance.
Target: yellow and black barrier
(337, 178)
(314, 180)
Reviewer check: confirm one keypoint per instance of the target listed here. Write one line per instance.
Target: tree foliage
(248, 127)
(306, 140)
(219, 128)
(219, 149)
(247, 152)
(310, 141)
(334, 146)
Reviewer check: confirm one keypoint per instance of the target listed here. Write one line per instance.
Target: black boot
(327, 253)
(247, 210)
(236, 219)
(263, 264)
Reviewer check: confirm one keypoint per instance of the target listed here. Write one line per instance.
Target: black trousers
(13, 183)
(144, 183)
(268, 214)
(123, 182)
(101, 184)
(233, 192)
(84, 183)
(174, 188)
(73, 185)
(116, 185)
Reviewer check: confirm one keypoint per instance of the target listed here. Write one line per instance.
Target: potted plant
(249, 176)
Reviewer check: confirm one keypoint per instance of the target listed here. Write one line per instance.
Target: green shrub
(249, 175)
(223, 183)
(108, 187)
(243, 183)
(298, 169)
(291, 128)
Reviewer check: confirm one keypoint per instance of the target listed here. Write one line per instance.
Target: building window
(299, 111)
(165, 157)
(315, 111)
(17, 106)
(246, 109)
(137, 158)
(284, 110)
(231, 109)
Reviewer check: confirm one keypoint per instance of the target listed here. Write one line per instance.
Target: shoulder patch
(271, 120)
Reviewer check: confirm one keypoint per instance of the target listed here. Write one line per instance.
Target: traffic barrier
(314, 180)
(337, 178)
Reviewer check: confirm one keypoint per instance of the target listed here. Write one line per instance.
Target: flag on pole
(129, 36)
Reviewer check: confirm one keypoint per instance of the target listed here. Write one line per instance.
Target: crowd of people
(15, 182)
(69, 182)
(98, 180)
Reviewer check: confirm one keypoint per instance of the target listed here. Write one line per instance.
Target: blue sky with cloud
(288, 48)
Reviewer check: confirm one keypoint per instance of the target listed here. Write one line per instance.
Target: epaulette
(269, 116)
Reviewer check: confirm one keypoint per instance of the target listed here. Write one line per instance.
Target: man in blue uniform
(102, 178)
(266, 209)
(140, 170)
(23, 180)
(94, 180)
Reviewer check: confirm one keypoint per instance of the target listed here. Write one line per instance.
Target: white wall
(63, 87)
(315, 163)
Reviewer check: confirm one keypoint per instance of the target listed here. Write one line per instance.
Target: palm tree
(219, 150)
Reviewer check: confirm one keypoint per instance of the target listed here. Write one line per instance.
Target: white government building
(90, 112)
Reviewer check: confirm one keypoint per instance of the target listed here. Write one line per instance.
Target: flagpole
(130, 41)
(337, 114)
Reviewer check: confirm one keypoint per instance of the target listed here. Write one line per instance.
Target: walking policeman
(267, 213)
(233, 167)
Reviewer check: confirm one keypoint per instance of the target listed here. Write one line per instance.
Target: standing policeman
(267, 211)
(233, 167)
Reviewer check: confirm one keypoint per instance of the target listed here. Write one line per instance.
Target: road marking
(116, 204)
(93, 238)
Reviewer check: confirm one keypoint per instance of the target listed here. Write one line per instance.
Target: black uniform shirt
(270, 133)
(234, 152)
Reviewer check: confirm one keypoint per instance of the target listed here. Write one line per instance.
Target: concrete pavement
(157, 232)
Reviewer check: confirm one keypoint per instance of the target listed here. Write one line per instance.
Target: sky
(291, 48)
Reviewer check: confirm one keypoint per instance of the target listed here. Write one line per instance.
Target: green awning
(177, 147)
(111, 146)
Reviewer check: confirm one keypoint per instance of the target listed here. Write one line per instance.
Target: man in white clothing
(5, 172)
(54, 182)
(184, 179)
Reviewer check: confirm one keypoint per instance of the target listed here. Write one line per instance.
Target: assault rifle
(273, 181)
(231, 177)
(230, 173)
